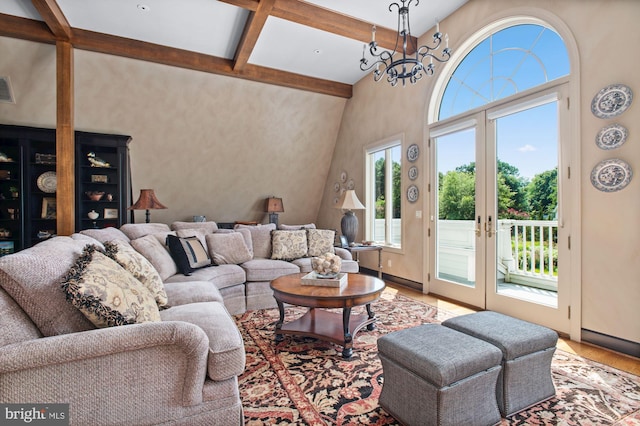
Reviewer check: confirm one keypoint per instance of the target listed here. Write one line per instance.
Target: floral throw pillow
(106, 293)
(138, 266)
(320, 241)
(288, 245)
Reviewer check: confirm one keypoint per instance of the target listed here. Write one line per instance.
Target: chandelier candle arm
(409, 66)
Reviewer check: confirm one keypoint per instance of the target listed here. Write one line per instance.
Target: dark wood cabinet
(28, 184)
(103, 186)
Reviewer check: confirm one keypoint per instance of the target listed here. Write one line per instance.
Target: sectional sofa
(181, 364)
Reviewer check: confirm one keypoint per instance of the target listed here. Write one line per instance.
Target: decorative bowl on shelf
(326, 266)
(93, 215)
(95, 195)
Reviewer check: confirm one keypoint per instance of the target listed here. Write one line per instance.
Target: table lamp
(147, 201)
(349, 222)
(273, 206)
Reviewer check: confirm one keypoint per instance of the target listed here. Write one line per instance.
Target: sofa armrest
(115, 366)
(343, 253)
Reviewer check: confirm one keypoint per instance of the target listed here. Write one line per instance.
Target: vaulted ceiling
(311, 45)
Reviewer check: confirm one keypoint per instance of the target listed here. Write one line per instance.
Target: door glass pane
(527, 198)
(379, 192)
(456, 206)
(396, 196)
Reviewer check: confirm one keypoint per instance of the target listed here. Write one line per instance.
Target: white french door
(496, 228)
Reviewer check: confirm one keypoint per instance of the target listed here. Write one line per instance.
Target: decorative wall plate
(351, 184)
(611, 101)
(413, 152)
(413, 173)
(611, 136)
(412, 193)
(336, 187)
(611, 175)
(47, 182)
(343, 177)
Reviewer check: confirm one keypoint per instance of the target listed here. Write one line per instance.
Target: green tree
(543, 195)
(397, 190)
(457, 197)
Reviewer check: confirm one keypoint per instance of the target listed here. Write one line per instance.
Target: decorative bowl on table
(326, 266)
(95, 195)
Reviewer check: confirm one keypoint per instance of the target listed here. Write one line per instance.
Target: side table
(355, 250)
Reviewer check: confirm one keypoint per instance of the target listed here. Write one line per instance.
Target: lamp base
(273, 218)
(349, 226)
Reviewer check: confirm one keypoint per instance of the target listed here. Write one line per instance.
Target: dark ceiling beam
(54, 18)
(28, 29)
(251, 32)
(336, 23)
(135, 49)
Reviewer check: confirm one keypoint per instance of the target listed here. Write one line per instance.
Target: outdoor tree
(543, 195)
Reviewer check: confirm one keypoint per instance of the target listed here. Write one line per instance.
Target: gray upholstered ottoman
(527, 350)
(434, 375)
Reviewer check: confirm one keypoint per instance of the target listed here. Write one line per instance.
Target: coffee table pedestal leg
(372, 317)
(347, 350)
(279, 336)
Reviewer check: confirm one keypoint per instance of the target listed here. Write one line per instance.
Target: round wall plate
(611, 136)
(611, 101)
(412, 193)
(611, 175)
(413, 173)
(413, 152)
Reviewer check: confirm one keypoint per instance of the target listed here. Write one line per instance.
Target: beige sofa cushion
(32, 277)
(228, 247)
(106, 234)
(222, 276)
(156, 253)
(183, 293)
(296, 227)
(261, 239)
(320, 241)
(206, 227)
(138, 230)
(268, 269)
(288, 245)
(138, 266)
(106, 293)
(226, 348)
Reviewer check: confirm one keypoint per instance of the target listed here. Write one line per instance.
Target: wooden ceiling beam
(251, 32)
(26, 29)
(336, 23)
(53, 16)
(135, 49)
(251, 5)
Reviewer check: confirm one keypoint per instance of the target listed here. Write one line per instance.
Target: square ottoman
(527, 350)
(434, 375)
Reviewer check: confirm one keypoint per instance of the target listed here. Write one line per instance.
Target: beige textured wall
(207, 144)
(607, 38)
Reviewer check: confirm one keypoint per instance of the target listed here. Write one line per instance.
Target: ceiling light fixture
(144, 7)
(408, 66)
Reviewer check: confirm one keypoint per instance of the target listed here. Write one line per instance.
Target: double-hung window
(383, 193)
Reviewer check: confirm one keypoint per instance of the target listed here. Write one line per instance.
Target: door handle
(488, 227)
(478, 228)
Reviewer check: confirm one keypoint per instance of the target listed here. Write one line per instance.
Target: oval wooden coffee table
(319, 323)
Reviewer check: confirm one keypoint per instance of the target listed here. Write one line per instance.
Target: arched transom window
(505, 63)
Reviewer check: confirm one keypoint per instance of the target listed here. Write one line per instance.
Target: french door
(496, 236)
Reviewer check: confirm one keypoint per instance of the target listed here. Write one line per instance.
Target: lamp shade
(349, 201)
(147, 201)
(274, 205)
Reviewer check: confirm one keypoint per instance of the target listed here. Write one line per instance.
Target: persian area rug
(304, 381)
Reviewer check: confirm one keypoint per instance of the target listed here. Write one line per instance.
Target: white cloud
(527, 148)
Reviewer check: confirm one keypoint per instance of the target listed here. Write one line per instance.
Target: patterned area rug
(303, 381)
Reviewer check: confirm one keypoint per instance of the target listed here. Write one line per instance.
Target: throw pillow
(320, 241)
(188, 253)
(261, 239)
(138, 266)
(296, 227)
(228, 248)
(200, 233)
(156, 253)
(106, 293)
(289, 245)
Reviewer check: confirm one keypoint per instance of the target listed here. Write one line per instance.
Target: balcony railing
(526, 251)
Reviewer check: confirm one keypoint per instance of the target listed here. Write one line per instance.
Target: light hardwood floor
(585, 350)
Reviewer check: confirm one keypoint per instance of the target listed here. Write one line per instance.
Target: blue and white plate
(611, 101)
(611, 175)
(611, 136)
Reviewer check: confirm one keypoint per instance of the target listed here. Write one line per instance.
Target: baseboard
(396, 280)
(614, 343)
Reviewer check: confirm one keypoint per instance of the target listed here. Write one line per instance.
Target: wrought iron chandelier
(409, 66)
